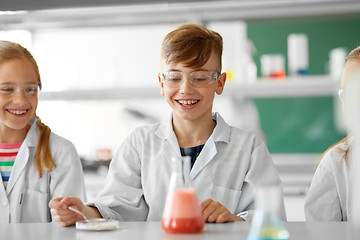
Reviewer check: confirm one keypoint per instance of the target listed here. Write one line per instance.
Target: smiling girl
(35, 164)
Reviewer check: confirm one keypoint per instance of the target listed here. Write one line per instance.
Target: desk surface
(152, 230)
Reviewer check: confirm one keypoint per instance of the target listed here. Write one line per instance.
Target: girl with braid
(36, 165)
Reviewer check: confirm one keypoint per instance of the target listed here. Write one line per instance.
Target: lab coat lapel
(221, 133)
(22, 157)
(3, 195)
(206, 155)
(19, 165)
(4, 204)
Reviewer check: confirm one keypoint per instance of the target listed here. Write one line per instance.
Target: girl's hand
(215, 212)
(61, 213)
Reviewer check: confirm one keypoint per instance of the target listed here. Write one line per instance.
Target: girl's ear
(220, 83)
(161, 85)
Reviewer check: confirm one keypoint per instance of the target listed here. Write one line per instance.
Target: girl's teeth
(17, 112)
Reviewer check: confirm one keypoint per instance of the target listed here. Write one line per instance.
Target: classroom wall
(301, 125)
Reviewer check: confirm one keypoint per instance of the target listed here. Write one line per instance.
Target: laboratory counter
(153, 230)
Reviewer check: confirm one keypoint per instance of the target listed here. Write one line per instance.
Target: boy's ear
(161, 85)
(220, 83)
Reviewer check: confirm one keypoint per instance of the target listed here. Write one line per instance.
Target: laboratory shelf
(159, 12)
(309, 86)
(304, 86)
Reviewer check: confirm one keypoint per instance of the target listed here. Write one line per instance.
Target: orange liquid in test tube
(185, 215)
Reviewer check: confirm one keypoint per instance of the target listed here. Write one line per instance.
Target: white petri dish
(97, 224)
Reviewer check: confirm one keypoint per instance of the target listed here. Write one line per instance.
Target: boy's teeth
(187, 102)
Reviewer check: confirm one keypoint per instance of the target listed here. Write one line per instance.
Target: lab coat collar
(22, 156)
(165, 129)
(221, 133)
(222, 130)
(166, 132)
(32, 136)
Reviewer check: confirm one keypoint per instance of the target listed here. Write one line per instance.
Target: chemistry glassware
(182, 212)
(95, 224)
(266, 224)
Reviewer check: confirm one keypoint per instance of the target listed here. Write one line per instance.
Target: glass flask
(266, 224)
(182, 212)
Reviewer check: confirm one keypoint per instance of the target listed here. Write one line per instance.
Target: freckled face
(188, 102)
(17, 110)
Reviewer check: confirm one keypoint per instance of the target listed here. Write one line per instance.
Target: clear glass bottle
(266, 224)
(182, 212)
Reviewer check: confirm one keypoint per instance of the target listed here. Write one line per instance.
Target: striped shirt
(8, 152)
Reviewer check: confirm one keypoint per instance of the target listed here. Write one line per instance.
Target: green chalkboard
(298, 125)
(301, 125)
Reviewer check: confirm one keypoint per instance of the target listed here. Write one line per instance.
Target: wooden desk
(152, 230)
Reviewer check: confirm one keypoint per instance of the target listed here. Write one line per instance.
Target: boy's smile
(187, 103)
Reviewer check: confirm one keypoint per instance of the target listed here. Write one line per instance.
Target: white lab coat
(26, 197)
(327, 196)
(229, 168)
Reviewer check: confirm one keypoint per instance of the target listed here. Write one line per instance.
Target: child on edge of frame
(36, 165)
(328, 195)
(227, 163)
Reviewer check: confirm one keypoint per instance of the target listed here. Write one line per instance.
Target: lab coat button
(5, 203)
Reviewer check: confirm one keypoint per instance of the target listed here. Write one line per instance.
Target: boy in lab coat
(227, 163)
